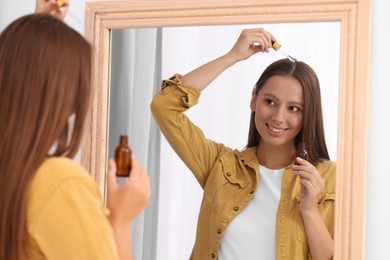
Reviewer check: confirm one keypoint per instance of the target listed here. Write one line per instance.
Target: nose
(279, 115)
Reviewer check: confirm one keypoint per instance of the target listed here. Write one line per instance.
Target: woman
(50, 207)
(257, 204)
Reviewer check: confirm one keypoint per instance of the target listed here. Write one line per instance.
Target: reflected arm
(201, 77)
(320, 242)
(250, 42)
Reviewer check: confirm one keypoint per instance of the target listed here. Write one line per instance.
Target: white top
(252, 234)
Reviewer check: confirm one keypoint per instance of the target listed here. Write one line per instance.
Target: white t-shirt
(252, 234)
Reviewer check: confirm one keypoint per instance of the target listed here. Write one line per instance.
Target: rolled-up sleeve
(188, 140)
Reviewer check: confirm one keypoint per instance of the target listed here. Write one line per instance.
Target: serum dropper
(276, 46)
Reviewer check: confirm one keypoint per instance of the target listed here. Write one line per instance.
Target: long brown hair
(312, 132)
(45, 76)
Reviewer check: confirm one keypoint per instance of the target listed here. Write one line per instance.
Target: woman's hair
(45, 76)
(312, 132)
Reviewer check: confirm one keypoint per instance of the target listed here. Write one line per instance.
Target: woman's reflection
(257, 202)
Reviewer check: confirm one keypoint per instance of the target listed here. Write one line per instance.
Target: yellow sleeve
(73, 225)
(188, 140)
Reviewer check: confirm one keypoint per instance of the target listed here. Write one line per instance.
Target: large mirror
(342, 27)
(141, 57)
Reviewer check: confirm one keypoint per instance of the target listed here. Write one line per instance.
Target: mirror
(141, 57)
(354, 24)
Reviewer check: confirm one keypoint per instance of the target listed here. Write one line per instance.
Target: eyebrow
(274, 97)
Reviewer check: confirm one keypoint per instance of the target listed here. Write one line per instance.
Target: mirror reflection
(141, 58)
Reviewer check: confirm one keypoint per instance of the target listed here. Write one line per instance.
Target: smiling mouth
(276, 130)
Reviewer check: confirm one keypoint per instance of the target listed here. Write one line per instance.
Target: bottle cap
(276, 46)
(62, 3)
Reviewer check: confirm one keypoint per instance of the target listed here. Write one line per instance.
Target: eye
(270, 102)
(294, 108)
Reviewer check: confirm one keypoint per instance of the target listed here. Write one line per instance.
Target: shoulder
(55, 170)
(62, 166)
(63, 198)
(59, 175)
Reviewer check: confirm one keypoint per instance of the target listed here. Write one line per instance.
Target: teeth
(276, 129)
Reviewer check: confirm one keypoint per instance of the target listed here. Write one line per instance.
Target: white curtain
(135, 77)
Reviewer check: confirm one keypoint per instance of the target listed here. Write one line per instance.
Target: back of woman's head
(45, 73)
(312, 132)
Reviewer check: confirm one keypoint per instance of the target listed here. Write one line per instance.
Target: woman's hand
(128, 200)
(312, 185)
(320, 241)
(251, 41)
(51, 7)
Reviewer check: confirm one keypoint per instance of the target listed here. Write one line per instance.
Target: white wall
(378, 211)
(378, 177)
(11, 10)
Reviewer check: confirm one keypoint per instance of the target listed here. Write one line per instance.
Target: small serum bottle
(123, 157)
(301, 152)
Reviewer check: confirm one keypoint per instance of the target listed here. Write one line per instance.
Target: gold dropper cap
(61, 3)
(276, 46)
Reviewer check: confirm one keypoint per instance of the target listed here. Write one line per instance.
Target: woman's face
(278, 109)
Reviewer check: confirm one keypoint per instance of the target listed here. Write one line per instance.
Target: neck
(275, 157)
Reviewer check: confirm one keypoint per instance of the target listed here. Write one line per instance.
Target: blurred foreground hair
(45, 76)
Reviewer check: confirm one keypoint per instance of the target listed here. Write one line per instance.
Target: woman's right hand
(251, 41)
(51, 7)
(126, 201)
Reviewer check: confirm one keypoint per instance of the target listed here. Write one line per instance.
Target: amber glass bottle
(123, 157)
(301, 152)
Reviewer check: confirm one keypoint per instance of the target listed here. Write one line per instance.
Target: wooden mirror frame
(355, 19)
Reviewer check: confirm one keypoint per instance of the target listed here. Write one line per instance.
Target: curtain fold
(135, 78)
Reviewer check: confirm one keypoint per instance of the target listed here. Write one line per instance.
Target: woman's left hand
(312, 185)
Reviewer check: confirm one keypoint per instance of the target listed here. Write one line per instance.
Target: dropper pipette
(276, 46)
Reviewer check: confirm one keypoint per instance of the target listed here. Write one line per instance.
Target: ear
(253, 101)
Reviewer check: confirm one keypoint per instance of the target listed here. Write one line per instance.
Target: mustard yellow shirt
(66, 217)
(229, 179)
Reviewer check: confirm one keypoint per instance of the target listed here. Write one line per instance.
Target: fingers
(250, 42)
(309, 186)
(126, 201)
(136, 172)
(111, 175)
(259, 38)
(316, 181)
(307, 167)
(139, 177)
(308, 173)
(51, 7)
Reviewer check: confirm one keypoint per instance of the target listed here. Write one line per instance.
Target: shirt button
(236, 208)
(228, 174)
(212, 255)
(219, 231)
